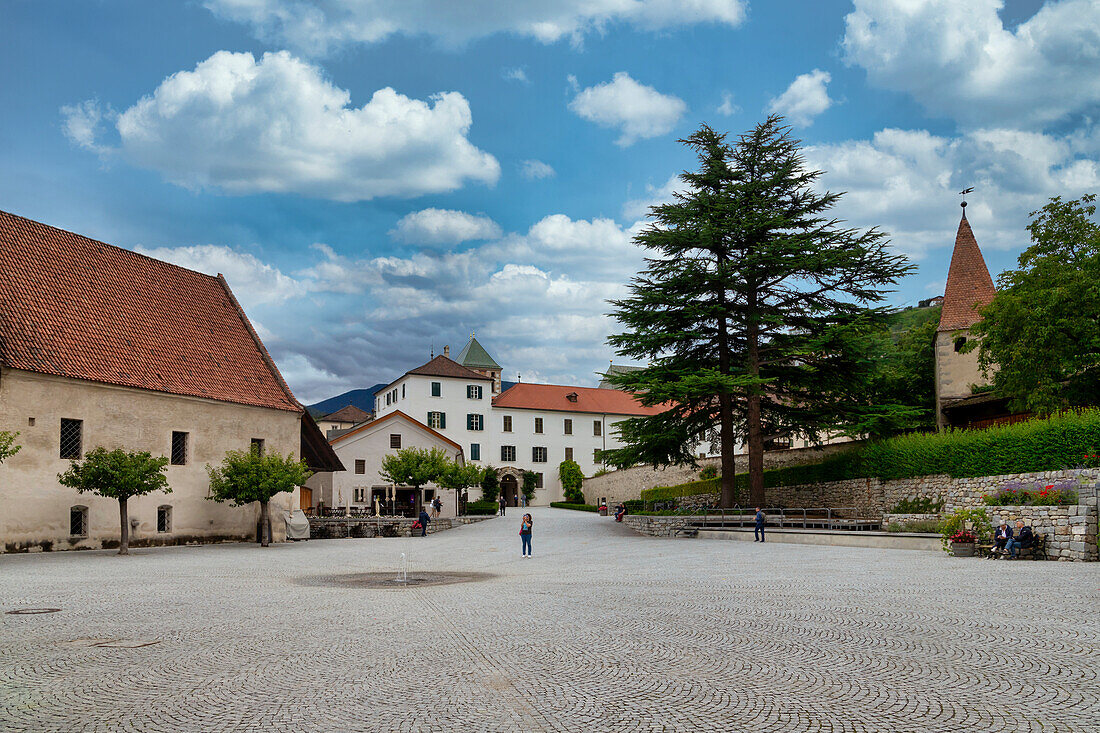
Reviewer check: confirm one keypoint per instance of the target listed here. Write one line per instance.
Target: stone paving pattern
(603, 630)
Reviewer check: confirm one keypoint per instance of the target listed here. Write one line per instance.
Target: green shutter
(442, 421)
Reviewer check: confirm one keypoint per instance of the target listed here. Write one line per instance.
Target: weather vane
(963, 194)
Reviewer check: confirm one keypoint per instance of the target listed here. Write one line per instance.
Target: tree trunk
(124, 534)
(728, 441)
(265, 525)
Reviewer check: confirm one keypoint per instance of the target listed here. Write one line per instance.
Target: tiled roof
(396, 414)
(74, 307)
(441, 366)
(555, 397)
(969, 285)
(351, 413)
(475, 356)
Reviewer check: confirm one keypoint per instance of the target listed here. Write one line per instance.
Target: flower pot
(962, 549)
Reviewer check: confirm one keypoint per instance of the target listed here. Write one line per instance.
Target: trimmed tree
(119, 475)
(571, 476)
(247, 476)
(530, 483)
(460, 478)
(1040, 335)
(414, 466)
(753, 311)
(490, 484)
(8, 446)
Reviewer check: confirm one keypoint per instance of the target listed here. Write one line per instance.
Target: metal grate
(78, 521)
(72, 438)
(179, 448)
(164, 519)
(395, 440)
(360, 466)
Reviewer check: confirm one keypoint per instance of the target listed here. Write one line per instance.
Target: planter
(962, 549)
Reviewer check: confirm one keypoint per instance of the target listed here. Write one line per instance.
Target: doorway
(305, 499)
(509, 489)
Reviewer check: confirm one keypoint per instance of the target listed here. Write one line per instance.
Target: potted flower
(962, 543)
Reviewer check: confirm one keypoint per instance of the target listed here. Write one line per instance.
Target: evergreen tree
(753, 310)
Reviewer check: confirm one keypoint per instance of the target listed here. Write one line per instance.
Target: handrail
(784, 517)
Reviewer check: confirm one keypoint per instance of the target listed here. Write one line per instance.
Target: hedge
(482, 507)
(576, 507)
(1060, 442)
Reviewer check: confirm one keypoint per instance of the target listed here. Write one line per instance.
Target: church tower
(476, 358)
(969, 288)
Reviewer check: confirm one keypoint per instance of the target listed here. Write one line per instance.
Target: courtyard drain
(32, 611)
(393, 580)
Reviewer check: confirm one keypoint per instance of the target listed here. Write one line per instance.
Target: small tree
(247, 476)
(530, 482)
(118, 474)
(8, 448)
(414, 466)
(571, 479)
(490, 484)
(460, 478)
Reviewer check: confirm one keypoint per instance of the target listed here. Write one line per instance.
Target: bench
(1037, 551)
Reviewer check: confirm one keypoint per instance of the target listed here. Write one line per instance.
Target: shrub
(482, 507)
(920, 505)
(570, 505)
(691, 488)
(930, 526)
(634, 506)
(956, 523)
(708, 472)
(571, 479)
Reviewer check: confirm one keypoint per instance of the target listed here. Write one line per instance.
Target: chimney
(447, 351)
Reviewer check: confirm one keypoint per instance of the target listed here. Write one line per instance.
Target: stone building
(101, 346)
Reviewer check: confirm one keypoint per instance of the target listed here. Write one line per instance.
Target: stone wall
(1070, 531)
(888, 519)
(338, 527)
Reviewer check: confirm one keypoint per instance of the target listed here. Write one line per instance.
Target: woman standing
(525, 534)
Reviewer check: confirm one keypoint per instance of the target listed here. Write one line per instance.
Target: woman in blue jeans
(525, 534)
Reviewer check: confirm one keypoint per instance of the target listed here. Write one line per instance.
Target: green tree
(530, 484)
(8, 446)
(120, 475)
(571, 476)
(459, 477)
(414, 466)
(490, 484)
(245, 476)
(1040, 335)
(900, 388)
(753, 311)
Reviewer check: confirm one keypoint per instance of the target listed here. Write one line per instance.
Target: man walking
(758, 533)
(503, 503)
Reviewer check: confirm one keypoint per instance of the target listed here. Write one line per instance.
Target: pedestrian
(525, 535)
(758, 533)
(503, 504)
(437, 507)
(424, 519)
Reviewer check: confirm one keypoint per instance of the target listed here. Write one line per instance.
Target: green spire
(474, 356)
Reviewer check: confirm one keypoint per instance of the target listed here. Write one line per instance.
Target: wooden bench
(1037, 551)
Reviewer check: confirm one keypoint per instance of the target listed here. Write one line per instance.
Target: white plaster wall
(36, 507)
(955, 371)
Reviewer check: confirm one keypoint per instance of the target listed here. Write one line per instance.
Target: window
(507, 423)
(538, 424)
(597, 427)
(258, 446)
(959, 343)
(475, 451)
(164, 518)
(473, 391)
(572, 397)
(30, 422)
(508, 453)
(538, 480)
(568, 454)
(78, 521)
(437, 420)
(437, 389)
(387, 399)
(360, 466)
(179, 448)
(72, 438)
(475, 422)
(395, 440)
(538, 455)
(394, 395)
(402, 391)
(359, 495)
(596, 455)
(568, 426)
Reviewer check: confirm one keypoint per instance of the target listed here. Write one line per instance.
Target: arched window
(164, 518)
(78, 521)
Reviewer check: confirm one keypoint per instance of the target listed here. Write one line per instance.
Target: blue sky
(378, 178)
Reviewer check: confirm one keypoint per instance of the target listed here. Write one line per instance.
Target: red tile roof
(442, 366)
(74, 307)
(555, 397)
(969, 285)
(349, 413)
(394, 415)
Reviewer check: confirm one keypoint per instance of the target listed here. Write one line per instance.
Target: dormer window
(572, 397)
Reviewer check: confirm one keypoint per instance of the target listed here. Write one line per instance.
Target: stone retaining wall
(1070, 531)
(337, 527)
(888, 519)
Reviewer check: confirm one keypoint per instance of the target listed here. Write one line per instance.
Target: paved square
(602, 630)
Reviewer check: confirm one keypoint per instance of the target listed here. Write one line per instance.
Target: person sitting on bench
(1025, 537)
(1001, 537)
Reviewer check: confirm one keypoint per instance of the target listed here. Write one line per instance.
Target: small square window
(597, 427)
(473, 391)
(30, 422)
(437, 420)
(78, 521)
(437, 389)
(475, 422)
(360, 466)
(959, 343)
(568, 454)
(538, 455)
(568, 426)
(395, 440)
(258, 446)
(508, 453)
(359, 495)
(507, 423)
(538, 424)
(475, 451)
(164, 519)
(72, 438)
(179, 448)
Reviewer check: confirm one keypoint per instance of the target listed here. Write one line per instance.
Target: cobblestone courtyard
(601, 630)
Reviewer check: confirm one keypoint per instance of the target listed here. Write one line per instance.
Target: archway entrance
(509, 489)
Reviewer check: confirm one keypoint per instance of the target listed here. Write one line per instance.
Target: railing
(782, 517)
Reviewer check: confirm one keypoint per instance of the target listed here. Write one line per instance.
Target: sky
(379, 179)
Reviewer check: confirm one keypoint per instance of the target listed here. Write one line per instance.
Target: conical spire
(474, 356)
(969, 286)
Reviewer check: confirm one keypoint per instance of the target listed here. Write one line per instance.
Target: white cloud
(320, 26)
(535, 169)
(957, 58)
(516, 74)
(253, 282)
(81, 124)
(804, 99)
(443, 226)
(276, 125)
(638, 111)
(727, 107)
(635, 209)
